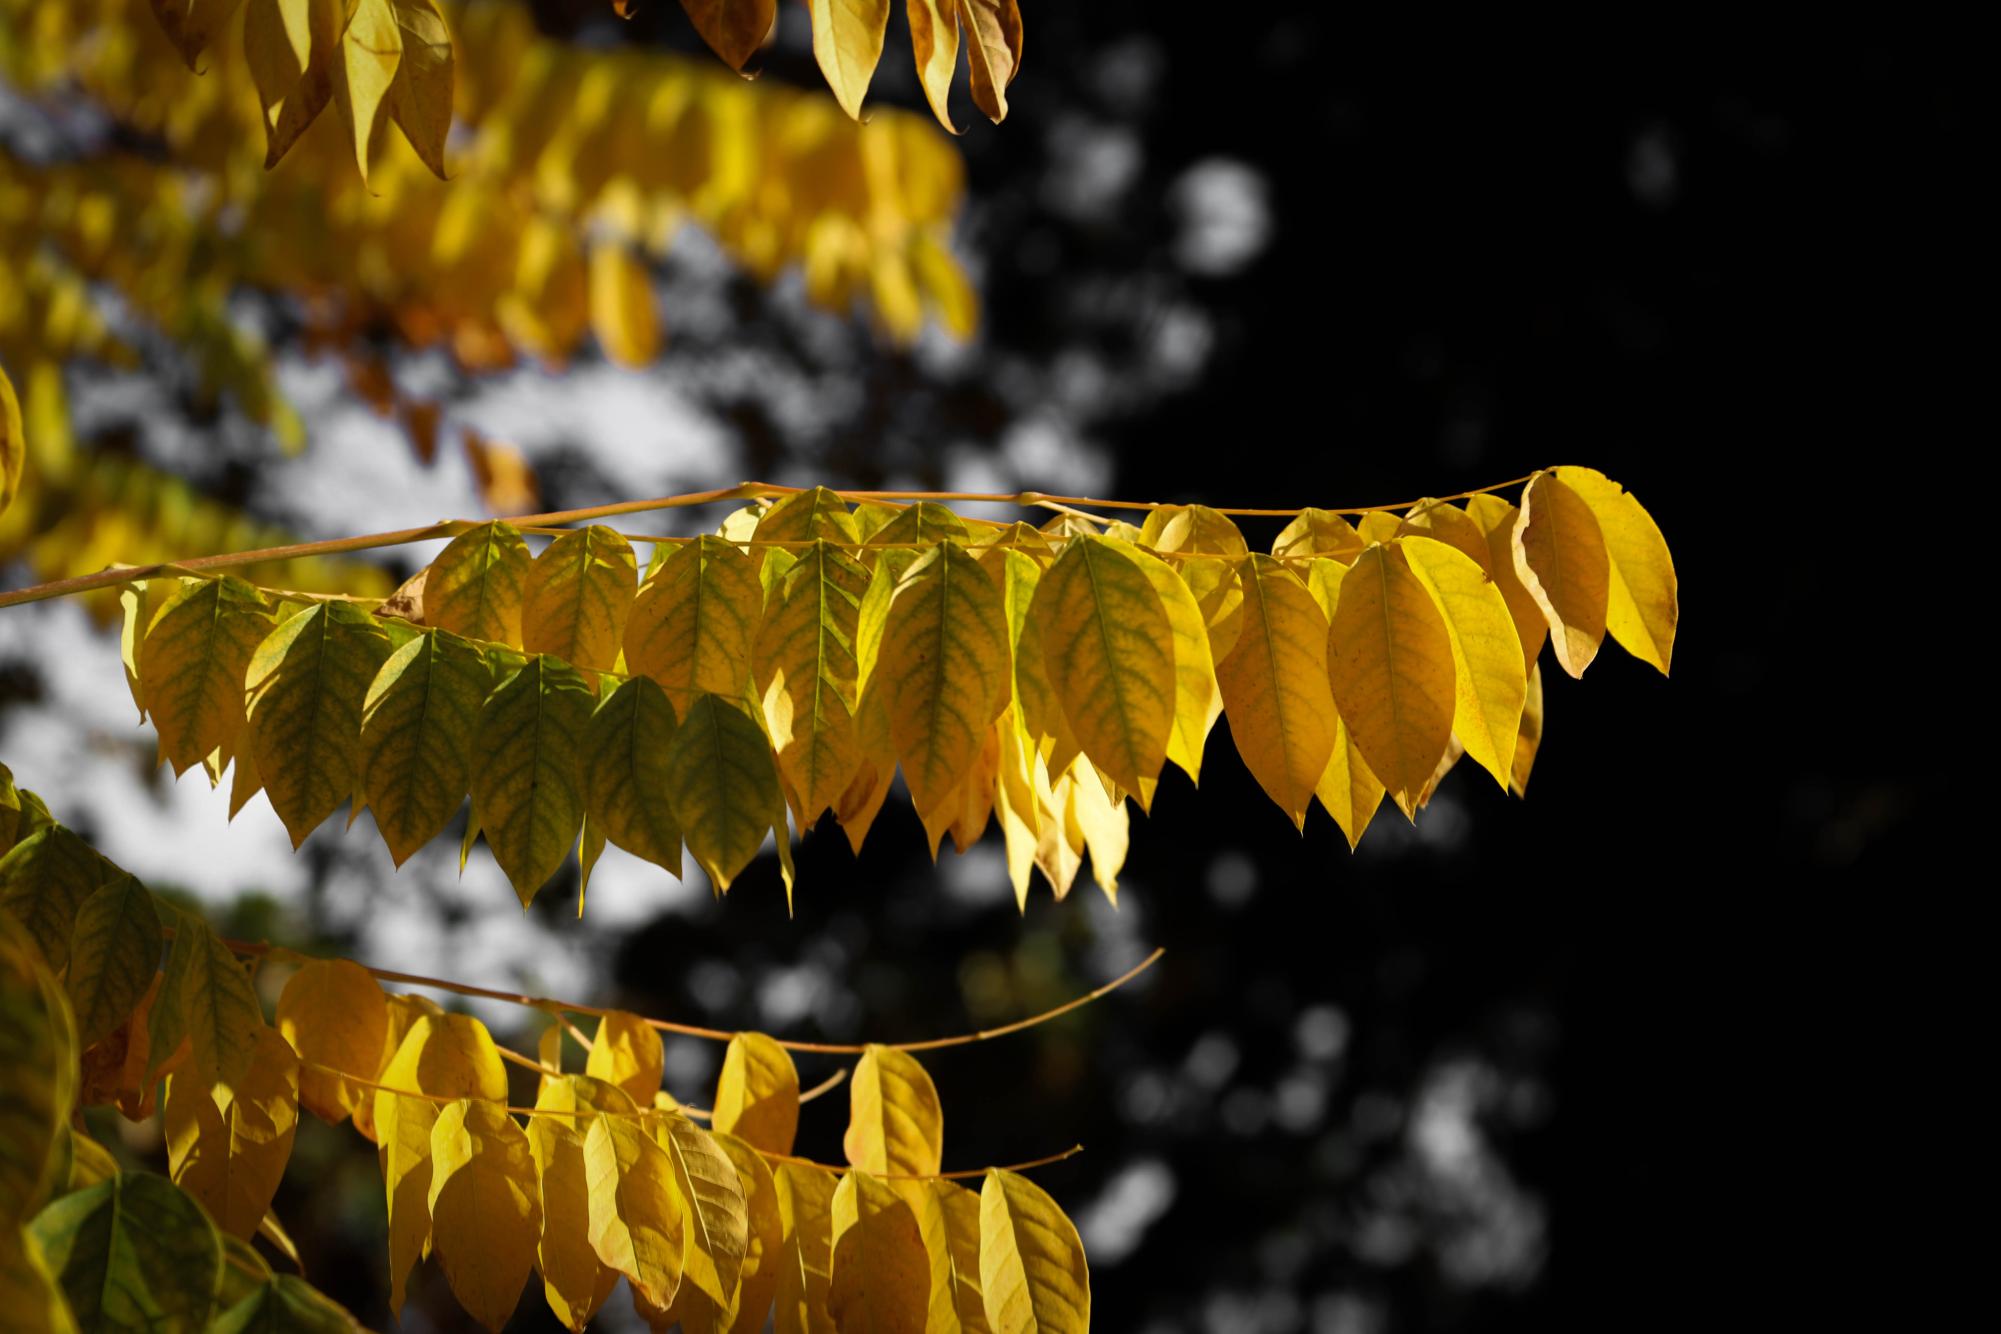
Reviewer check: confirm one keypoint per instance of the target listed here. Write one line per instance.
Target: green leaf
(38, 1050)
(577, 598)
(474, 587)
(285, 1305)
(920, 525)
(192, 667)
(205, 997)
(43, 884)
(306, 684)
(132, 1253)
(114, 952)
(526, 793)
(818, 514)
(417, 726)
(626, 789)
(725, 789)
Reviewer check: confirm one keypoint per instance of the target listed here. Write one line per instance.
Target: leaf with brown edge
(486, 1207)
(1559, 552)
(847, 43)
(228, 1146)
(637, 1227)
(1033, 1275)
(626, 1052)
(993, 51)
(306, 684)
(196, 652)
(417, 726)
(880, 1276)
(692, 625)
(627, 793)
(1274, 685)
(1489, 684)
(192, 24)
(420, 96)
(114, 952)
(1643, 603)
(1389, 661)
(726, 792)
(734, 29)
(475, 585)
(895, 1124)
(934, 40)
(335, 1016)
(805, 1213)
(527, 794)
(577, 598)
(757, 1095)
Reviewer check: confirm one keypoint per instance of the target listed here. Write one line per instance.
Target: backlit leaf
(1032, 1270)
(114, 952)
(757, 1096)
(45, 880)
(335, 1016)
(13, 442)
(307, 683)
(1197, 700)
(371, 48)
(1317, 532)
(1643, 602)
(228, 1147)
(993, 51)
(805, 671)
(1496, 519)
(1389, 660)
(1274, 685)
(934, 39)
(806, 516)
(805, 1211)
(1559, 552)
(475, 586)
(486, 1210)
(192, 24)
(577, 598)
(134, 1252)
(637, 1226)
(1348, 789)
(38, 1049)
(626, 788)
(714, 1217)
(192, 667)
(1488, 680)
(734, 29)
(961, 1209)
(847, 42)
(526, 755)
(943, 669)
(692, 626)
(626, 1052)
(420, 96)
(284, 1304)
(880, 1277)
(417, 725)
(895, 1124)
(1529, 739)
(725, 788)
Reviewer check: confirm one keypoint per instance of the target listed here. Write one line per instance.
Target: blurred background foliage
(1512, 1068)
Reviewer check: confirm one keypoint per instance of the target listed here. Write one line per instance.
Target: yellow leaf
(805, 1212)
(335, 1016)
(734, 29)
(371, 47)
(486, 1209)
(993, 51)
(526, 793)
(445, 1056)
(417, 725)
(403, 1013)
(1208, 549)
(1032, 1270)
(962, 1231)
(574, 1282)
(944, 670)
(757, 1097)
(626, 786)
(1559, 552)
(692, 626)
(474, 587)
(763, 1253)
(862, 801)
(577, 598)
(1317, 532)
(725, 791)
(1348, 789)
(1389, 661)
(805, 670)
(1496, 519)
(420, 96)
(13, 443)
(623, 313)
(1094, 820)
(289, 46)
(1451, 525)
(895, 1125)
(1488, 681)
(1377, 526)
(1274, 686)
(193, 663)
(847, 41)
(1643, 600)
(934, 39)
(1530, 737)
(626, 1052)
(637, 1226)
(1109, 650)
(716, 1223)
(880, 1277)
(806, 516)
(1197, 700)
(228, 1147)
(192, 24)
(1021, 815)
(306, 685)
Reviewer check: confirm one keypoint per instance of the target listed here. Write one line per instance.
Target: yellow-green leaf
(228, 1147)
(626, 789)
(943, 669)
(1032, 1270)
(915, 527)
(196, 652)
(725, 788)
(758, 1278)
(993, 51)
(1489, 684)
(757, 1096)
(577, 598)
(880, 1276)
(1496, 519)
(45, 880)
(692, 625)
(371, 47)
(1451, 525)
(805, 672)
(627, 1052)
(289, 46)
(1389, 661)
(475, 586)
(816, 514)
(805, 1211)
(306, 685)
(1559, 552)
(1197, 700)
(420, 96)
(38, 1049)
(1274, 685)
(1643, 602)
(526, 790)
(114, 952)
(214, 1006)
(895, 1124)
(132, 1253)
(417, 724)
(637, 1226)
(715, 1220)
(486, 1207)
(847, 41)
(335, 1016)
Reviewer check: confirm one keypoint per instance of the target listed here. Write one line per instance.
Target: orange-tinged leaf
(895, 1124)
(1205, 546)
(993, 51)
(1643, 602)
(1389, 661)
(1348, 789)
(227, 1146)
(1559, 552)
(757, 1096)
(805, 1212)
(934, 39)
(1274, 685)
(486, 1207)
(577, 597)
(692, 626)
(335, 1016)
(847, 41)
(1496, 519)
(474, 587)
(1033, 1276)
(627, 1052)
(734, 29)
(1529, 739)
(880, 1278)
(1489, 684)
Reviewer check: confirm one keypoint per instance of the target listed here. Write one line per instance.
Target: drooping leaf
(114, 952)
(134, 1252)
(626, 1051)
(38, 1050)
(192, 24)
(420, 96)
(805, 1212)
(228, 1147)
(1198, 703)
(993, 51)
(715, 1220)
(895, 1124)
(1207, 549)
(637, 1226)
(1496, 519)
(486, 1209)
(1389, 660)
(847, 42)
(307, 683)
(192, 667)
(626, 787)
(44, 881)
(1032, 1270)
(371, 48)
(475, 586)
(961, 1210)
(880, 1277)
(212, 1005)
(289, 46)
(1643, 603)
(1529, 739)
(757, 1096)
(692, 625)
(757, 1282)
(577, 598)
(1274, 685)
(285, 1304)
(1559, 553)
(575, 1282)
(417, 726)
(1348, 789)
(934, 40)
(1488, 681)
(335, 1016)
(725, 788)
(734, 29)
(527, 792)
(805, 672)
